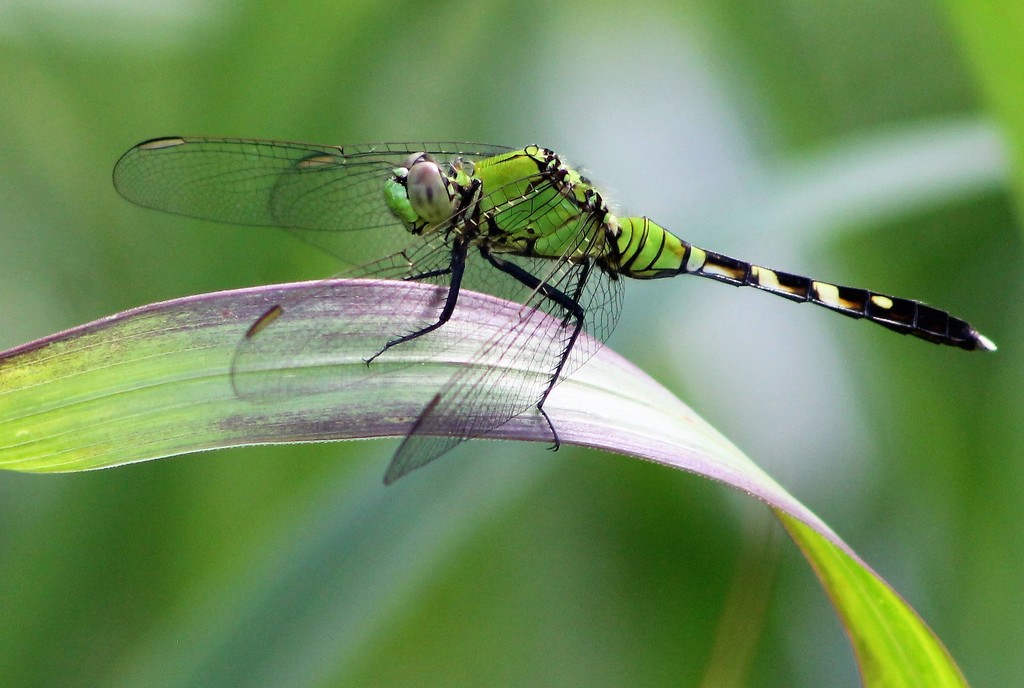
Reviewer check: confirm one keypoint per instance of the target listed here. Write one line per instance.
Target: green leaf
(893, 645)
(156, 381)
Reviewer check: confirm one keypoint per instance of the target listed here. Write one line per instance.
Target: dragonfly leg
(456, 270)
(555, 442)
(574, 311)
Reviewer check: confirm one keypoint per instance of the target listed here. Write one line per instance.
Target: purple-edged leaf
(157, 381)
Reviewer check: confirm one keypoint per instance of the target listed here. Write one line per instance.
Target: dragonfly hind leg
(556, 443)
(574, 311)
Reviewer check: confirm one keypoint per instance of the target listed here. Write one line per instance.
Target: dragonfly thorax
(578, 224)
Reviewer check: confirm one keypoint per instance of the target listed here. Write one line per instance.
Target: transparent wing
(542, 340)
(314, 191)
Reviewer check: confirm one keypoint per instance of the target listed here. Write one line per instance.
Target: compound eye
(429, 190)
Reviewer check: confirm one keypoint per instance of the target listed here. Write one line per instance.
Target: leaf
(156, 381)
(893, 645)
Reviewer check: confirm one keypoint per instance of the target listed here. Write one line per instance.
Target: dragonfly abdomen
(649, 251)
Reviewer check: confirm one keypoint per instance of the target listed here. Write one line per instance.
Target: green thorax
(536, 205)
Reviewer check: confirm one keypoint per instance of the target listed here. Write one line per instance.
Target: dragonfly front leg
(456, 269)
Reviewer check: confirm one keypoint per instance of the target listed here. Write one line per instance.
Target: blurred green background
(864, 143)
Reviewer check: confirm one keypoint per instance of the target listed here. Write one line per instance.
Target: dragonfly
(518, 223)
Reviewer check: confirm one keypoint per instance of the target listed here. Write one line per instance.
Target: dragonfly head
(420, 193)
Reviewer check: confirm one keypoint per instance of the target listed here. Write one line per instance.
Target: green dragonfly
(520, 224)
